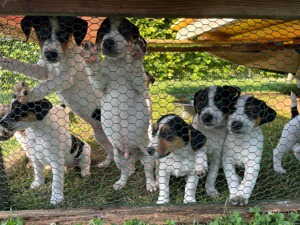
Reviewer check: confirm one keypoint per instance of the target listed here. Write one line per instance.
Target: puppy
(243, 146)
(125, 113)
(18, 135)
(178, 148)
(289, 138)
(49, 142)
(212, 106)
(60, 69)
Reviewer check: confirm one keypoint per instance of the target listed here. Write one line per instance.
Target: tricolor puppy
(49, 142)
(5, 135)
(213, 106)
(125, 113)
(244, 145)
(290, 138)
(178, 147)
(60, 69)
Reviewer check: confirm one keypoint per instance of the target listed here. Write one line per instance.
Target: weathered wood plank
(149, 8)
(151, 214)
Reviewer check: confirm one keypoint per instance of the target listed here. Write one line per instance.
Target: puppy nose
(51, 55)
(207, 117)
(108, 43)
(236, 125)
(150, 150)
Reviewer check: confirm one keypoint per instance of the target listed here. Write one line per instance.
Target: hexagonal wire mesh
(221, 82)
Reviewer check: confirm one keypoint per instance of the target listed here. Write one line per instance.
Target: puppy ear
(26, 25)
(234, 91)
(80, 27)
(197, 139)
(197, 100)
(42, 108)
(267, 114)
(104, 29)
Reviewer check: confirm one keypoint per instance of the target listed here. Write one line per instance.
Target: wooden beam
(183, 214)
(156, 8)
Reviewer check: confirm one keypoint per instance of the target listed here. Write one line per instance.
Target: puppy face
(116, 35)
(215, 103)
(21, 116)
(250, 112)
(4, 135)
(54, 33)
(172, 133)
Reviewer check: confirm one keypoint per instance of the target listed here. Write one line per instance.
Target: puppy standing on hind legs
(49, 142)
(289, 139)
(125, 114)
(60, 69)
(244, 145)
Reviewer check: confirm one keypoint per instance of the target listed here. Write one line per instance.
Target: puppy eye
(201, 97)
(167, 135)
(218, 98)
(249, 107)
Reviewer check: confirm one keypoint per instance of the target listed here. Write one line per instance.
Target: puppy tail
(294, 109)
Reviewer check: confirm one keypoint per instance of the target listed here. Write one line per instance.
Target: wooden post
(4, 193)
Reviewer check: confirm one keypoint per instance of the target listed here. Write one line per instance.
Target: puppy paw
(22, 92)
(279, 170)
(200, 171)
(119, 185)
(238, 200)
(90, 53)
(162, 200)
(189, 199)
(4, 63)
(152, 186)
(85, 173)
(36, 184)
(212, 192)
(56, 199)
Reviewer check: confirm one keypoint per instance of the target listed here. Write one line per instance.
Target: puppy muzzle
(151, 150)
(110, 47)
(52, 56)
(236, 127)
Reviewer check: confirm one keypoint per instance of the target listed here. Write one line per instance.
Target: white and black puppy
(60, 69)
(212, 106)
(5, 135)
(49, 142)
(178, 147)
(125, 113)
(290, 138)
(244, 145)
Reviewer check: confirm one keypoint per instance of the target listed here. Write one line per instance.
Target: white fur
(49, 143)
(289, 140)
(180, 162)
(242, 150)
(215, 134)
(68, 78)
(125, 114)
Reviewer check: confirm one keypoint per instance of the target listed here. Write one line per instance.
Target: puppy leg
(127, 167)
(149, 163)
(85, 161)
(39, 177)
(164, 190)
(190, 189)
(201, 166)
(57, 195)
(247, 185)
(296, 150)
(233, 180)
(285, 143)
(102, 139)
(213, 171)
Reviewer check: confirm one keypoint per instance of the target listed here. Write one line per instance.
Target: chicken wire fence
(79, 86)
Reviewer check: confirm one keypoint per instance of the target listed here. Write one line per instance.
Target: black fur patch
(77, 147)
(97, 114)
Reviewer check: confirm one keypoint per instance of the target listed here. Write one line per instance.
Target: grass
(96, 191)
